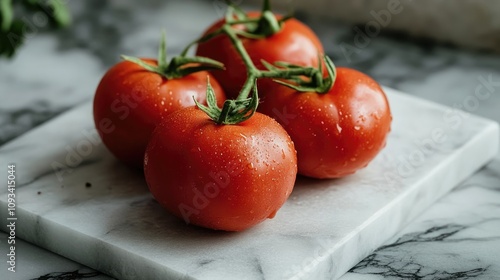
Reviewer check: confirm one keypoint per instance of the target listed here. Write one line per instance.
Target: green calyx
(300, 78)
(312, 81)
(255, 28)
(233, 111)
(178, 66)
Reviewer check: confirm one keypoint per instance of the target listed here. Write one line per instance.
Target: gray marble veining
(113, 225)
(457, 238)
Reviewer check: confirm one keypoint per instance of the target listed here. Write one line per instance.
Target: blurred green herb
(20, 19)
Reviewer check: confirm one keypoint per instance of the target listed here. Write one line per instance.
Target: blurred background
(473, 24)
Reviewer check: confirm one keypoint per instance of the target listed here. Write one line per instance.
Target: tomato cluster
(231, 164)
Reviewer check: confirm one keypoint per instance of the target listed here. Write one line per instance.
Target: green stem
(203, 39)
(162, 53)
(294, 76)
(178, 66)
(266, 6)
(252, 71)
(238, 45)
(7, 14)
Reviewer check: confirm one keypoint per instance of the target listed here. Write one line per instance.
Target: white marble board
(325, 228)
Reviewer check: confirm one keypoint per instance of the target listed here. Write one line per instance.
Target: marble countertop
(458, 237)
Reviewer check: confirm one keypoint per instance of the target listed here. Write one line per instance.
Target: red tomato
(130, 101)
(295, 43)
(224, 177)
(336, 133)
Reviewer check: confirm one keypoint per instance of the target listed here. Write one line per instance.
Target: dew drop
(357, 127)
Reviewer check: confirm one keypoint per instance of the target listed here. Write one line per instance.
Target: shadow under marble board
(76, 200)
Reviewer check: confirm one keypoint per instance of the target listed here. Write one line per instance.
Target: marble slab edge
(391, 218)
(333, 261)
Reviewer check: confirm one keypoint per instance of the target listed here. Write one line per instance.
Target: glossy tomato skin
(336, 133)
(130, 101)
(295, 43)
(223, 177)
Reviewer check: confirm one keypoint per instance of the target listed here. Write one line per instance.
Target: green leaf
(181, 66)
(6, 14)
(60, 13)
(142, 63)
(162, 52)
(211, 100)
(10, 40)
(212, 110)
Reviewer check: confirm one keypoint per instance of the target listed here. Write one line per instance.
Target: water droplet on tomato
(357, 127)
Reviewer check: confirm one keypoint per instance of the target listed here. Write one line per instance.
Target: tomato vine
(300, 78)
(179, 66)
